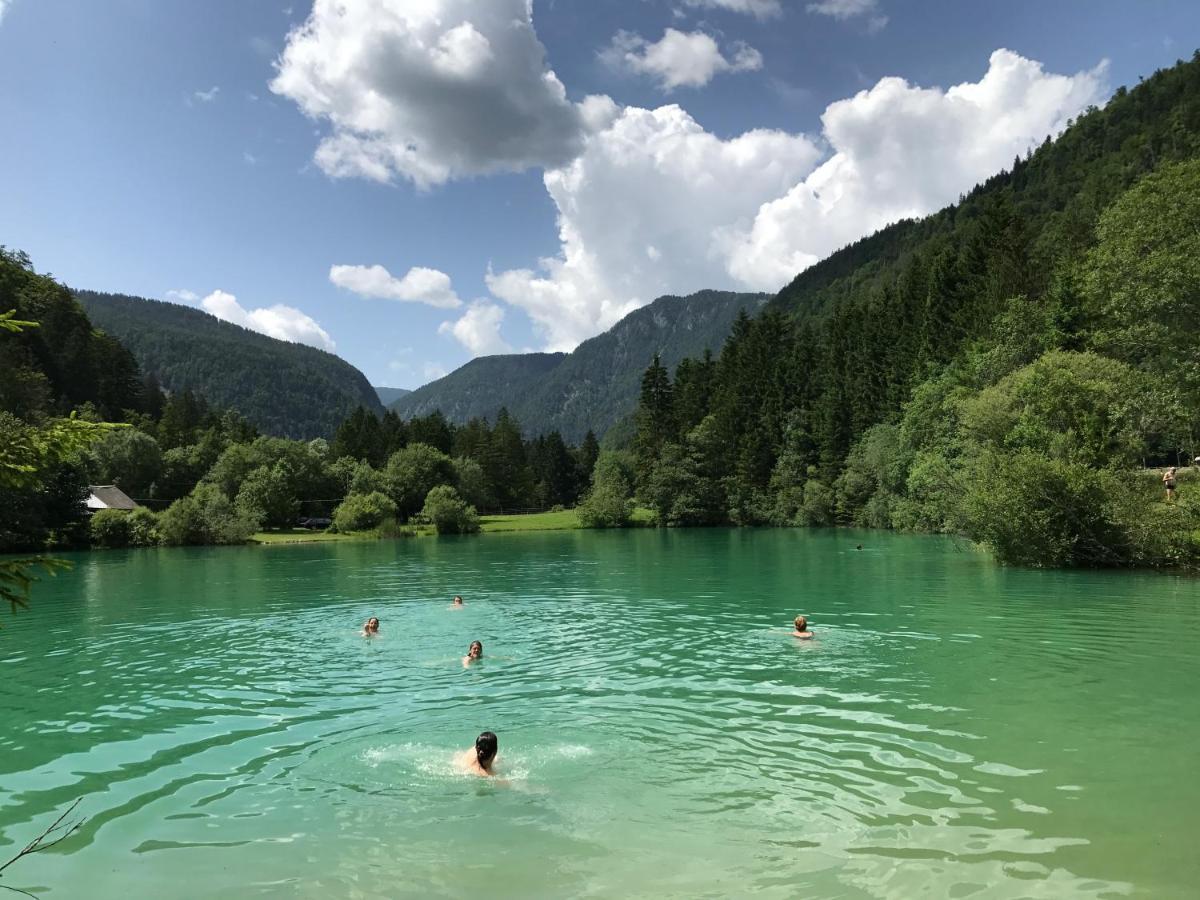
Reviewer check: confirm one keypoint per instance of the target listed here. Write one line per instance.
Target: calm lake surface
(955, 729)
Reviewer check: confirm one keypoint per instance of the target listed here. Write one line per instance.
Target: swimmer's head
(373, 623)
(476, 650)
(486, 746)
(458, 601)
(801, 623)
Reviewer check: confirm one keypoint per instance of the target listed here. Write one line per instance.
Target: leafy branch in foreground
(59, 831)
(9, 323)
(16, 578)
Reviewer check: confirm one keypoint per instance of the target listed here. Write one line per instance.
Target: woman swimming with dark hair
(479, 761)
(371, 627)
(474, 652)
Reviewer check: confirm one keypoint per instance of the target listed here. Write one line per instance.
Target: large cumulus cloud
(899, 151)
(655, 204)
(428, 90)
(279, 321)
(649, 202)
(638, 215)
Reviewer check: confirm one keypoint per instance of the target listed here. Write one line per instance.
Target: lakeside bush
(1036, 511)
(360, 512)
(609, 503)
(205, 516)
(448, 512)
(112, 528)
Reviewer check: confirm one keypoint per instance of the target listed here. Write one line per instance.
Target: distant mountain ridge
(284, 389)
(594, 386)
(389, 395)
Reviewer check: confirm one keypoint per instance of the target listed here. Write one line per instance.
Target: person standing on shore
(1169, 483)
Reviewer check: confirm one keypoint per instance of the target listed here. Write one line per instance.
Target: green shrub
(448, 512)
(205, 516)
(609, 504)
(360, 512)
(1036, 511)
(817, 509)
(143, 528)
(109, 528)
(390, 528)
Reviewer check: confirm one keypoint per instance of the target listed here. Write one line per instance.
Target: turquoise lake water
(955, 729)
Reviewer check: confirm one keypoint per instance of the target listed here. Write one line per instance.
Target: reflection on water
(952, 730)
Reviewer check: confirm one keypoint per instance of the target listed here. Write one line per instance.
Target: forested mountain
(62, 362)
(1001, 368)
(480, 388)
(284, 389)
(1053, 196)
(389, 395)
(596, 385)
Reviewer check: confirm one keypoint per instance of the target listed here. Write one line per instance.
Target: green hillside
(596, 385)
(1000, 369)
(480, 388)
(284, 389)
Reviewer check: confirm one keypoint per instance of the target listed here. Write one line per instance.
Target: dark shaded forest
(281, 388)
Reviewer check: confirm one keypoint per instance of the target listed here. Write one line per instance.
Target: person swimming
(479, 761)
(801, 631)
(458, 601)
(474, 652)
(370, 627)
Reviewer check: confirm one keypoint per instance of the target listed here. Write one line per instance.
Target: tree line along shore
(1018, 368)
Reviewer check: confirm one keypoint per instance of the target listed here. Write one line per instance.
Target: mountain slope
(284, 389)
(1057, 191)
(594, 386)
(481, 387)
(389, 395)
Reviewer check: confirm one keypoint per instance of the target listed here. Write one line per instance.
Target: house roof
(108, 496)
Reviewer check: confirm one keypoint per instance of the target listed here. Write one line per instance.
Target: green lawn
(543, 521)
(562, 520)
(304, 536)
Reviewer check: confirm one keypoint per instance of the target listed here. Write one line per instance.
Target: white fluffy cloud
(679, 59)
(638, 215)
(181, 295)
(902, 151)
(428, 90)
(655, 204)
(279, 321)
(479, 329)
(206, 96)
(419, 284)
(761, 9)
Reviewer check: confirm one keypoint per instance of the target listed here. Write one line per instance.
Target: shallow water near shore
(955, 729)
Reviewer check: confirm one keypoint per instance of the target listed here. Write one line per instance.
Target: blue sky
(175, 150)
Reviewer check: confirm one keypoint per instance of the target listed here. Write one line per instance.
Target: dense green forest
(282, 388)
(596, 385)
(1003, 369)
